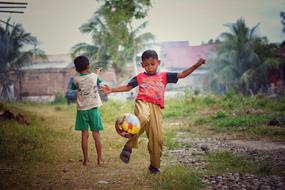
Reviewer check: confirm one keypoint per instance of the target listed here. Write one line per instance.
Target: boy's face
(150, 65)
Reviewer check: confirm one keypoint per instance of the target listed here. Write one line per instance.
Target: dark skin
(150, 65)
(95, 134)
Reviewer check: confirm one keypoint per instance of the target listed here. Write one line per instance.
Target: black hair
(149, 54)
(81, 63)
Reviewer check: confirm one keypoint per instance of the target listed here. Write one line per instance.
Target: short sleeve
(73, 86)
(133, 82)
(98, 81)
(171, 77)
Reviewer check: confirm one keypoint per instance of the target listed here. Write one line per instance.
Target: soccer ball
(128, 125)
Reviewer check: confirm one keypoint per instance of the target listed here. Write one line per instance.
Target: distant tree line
(246, 63)
(114, 39)
(15, 52)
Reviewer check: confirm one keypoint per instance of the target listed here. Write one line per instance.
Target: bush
(178, 177)
(59, 98)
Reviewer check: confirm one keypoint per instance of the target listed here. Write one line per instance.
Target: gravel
(257, 151)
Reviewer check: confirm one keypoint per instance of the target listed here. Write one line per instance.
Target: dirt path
(64, 169)
(258, 145)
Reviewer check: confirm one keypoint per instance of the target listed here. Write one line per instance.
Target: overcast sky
(55, 22)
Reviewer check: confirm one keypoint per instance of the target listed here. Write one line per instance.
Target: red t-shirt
(152, 87)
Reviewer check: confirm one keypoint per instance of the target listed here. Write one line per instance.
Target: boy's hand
(106, 89)
(98, 70)
(201, 61)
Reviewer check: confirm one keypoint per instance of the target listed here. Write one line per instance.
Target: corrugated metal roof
(48, 65)
(60, 61)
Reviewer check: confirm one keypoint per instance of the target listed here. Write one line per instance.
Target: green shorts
(88, 118)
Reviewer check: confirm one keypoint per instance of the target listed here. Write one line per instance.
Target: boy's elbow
(180, 75)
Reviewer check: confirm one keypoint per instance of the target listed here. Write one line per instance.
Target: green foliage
(14, 53)
(243, 61)
(219, 115)
(229, 114)
(13, 41)
(169, 139)
(264, 131)
(222, 162)
(59, 99)
(210, 100)
(113, 38)
(25, 142)
(228, 162)
(115, 109)
(176, 178)
(220, 120)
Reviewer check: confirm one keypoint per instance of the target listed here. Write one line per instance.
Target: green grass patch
(112, 110)
(225, 162)
(264, 131)
(25, 142)
(59, 99)
(177, 178)
(169, 139)
(222, 162)
(221, 120)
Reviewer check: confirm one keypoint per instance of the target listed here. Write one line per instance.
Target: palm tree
(98, 51)
(136, 42)
(235, 55)
(113, 40)
(13, 40)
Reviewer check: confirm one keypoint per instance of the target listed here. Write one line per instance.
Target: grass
(229, 114)
(48, 146)
(227, 162)
(169, 140)
(235, 123)
(176, 178)
(25, 142)
(222, 162)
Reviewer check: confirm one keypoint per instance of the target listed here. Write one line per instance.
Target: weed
(227, 162)
(176, 178)
(59, 99)
(169, 139)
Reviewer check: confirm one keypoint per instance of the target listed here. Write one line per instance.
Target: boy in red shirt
(149, 104)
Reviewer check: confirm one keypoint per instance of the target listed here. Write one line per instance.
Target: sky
(56, 22)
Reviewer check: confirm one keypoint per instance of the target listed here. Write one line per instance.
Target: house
(177, 56)
(43, 79)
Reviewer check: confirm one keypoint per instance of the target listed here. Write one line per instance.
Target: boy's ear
(142, 64)
(158, 61)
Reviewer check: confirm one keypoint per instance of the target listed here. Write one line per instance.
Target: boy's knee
(85, 134)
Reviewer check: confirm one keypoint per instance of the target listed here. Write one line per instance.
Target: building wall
(45, 81)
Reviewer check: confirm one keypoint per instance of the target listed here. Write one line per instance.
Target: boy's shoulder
(156, 74)
(79, 76)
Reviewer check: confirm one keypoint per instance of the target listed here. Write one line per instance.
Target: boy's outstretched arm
(107, 90)
(188, 71)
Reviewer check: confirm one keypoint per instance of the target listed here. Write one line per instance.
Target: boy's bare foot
(85, 162)
(100, 162)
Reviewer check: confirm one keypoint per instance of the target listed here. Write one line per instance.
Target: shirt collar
(84, 74)
(148, 74)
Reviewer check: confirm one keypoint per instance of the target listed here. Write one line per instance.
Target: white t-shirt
(87, 91)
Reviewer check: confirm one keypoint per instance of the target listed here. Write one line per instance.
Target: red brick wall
(45, 81)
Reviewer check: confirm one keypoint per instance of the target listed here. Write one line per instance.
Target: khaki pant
(150, 116)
